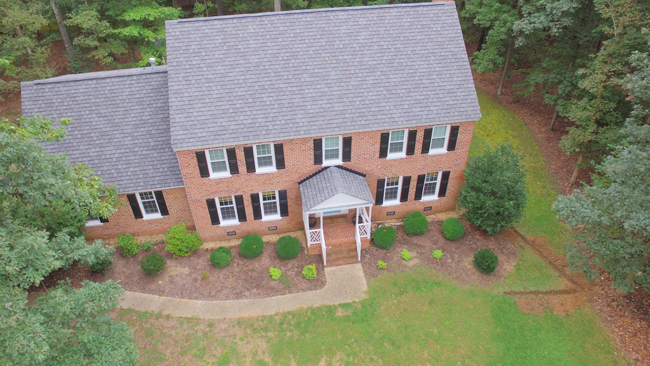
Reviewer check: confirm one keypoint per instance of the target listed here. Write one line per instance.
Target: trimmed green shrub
(99, 257)
(288, 247)
(381, 264)
(128, 245)
(251, 246)
(485, 260)
(384, 237)
(181, 243)
(415, 223)
(405, 255)
(146, 246)
(153, 263)
(453, 229)
(102, 266)
(275, 273)
(309, 271)
(221, 257)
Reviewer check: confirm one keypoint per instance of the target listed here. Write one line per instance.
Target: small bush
(128, 245)
(309, 272)
(485, 260)
(146, 246)
(99, 257)
(102, 266)
(384, 237)
(453, 229)
(153, 263)
(251, 246)
(221, 257)
(437, 254)
(181, 243)
(405, 255)
(288, 247)
(416, 224)
(381, 265)
(275, 273)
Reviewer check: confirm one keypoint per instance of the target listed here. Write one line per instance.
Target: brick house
(318, 120)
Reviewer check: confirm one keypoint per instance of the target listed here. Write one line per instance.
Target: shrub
(128, 245)
(146, 246)
(381, 265)
(494, 194)
(309, 272)
(415, 223)
(453, 229)
(221, 257)
(251, 246)
(485, 260)
(153, 263)
(405, 255)
(288, 247)
(384, 237)
(99, 257)
(181, 243)
(101, 266)
(437, 254)
(275, 273)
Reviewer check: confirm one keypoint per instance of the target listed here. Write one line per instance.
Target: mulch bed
(457, 259)
(194, 277)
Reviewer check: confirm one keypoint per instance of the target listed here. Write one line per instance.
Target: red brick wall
(299, 161)
(123, 222)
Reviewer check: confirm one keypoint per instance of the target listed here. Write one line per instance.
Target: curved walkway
(344, 284)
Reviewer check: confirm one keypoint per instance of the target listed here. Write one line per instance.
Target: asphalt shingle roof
(329, 182)
(119, 124)
(273, 76)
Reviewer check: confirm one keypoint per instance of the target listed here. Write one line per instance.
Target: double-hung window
(218, 163)
(439, 137)
(397, 144)
(391, 190)
(93, 221)
(431, 185)
(264, 159)
(270, 207)
(332, 150)
(227, 211)
(148, 205)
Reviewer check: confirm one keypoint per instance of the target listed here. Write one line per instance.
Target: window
(148, 204)
(270, 205)
(218, 163)
(391, 190)
(332, 150)
(439, 139)
(430, 188)
(397, 144)
(227, 211)
(264, 158)
(93, 221)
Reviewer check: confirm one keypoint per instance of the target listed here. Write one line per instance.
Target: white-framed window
(264, 158)
(218, 163)
(439, 138)
(93, 221)
(332, 153)
(397, 144)
(392, 190)
(227, 211)
(148, 205)
(431, 186)
(270, 205)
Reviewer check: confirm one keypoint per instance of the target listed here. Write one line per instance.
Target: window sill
(94, 223)
(229, 223)
(266, 171)
(219, 176)
(395, 156)
(271, 218)
(391, 203)
(437, 152)
(332, 163)
(430, 198)
(152, 217)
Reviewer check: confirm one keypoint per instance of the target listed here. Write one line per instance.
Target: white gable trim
(340, 200)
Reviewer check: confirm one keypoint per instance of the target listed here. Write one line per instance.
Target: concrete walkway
(344, 284)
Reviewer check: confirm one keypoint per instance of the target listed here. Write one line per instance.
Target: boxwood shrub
(453, 229)
(153, 263)
(101, 266)
(416, 224)
(485, 260)
(384, 237)
(288, 247)
(309, 271)
(251, 246)
(128, 245)
(221, 257)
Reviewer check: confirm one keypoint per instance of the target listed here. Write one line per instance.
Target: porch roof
(330, 182)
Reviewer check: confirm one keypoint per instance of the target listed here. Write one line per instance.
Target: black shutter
(212, 209)
(419, 186)
(453, 137)
(406, 184)
(103, 220)
(232, 160)
(426, 142)
(255, 202)
(250, 159)
(279, 156)
(162, 206)
(135, 207)
(347, 148)
(410, 146)
(318, 151)
(379, 199)
(284, 206)
(442, 191)
(241, 210)
(383, 145)
(203, 164)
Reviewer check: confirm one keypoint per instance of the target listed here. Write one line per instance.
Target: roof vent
(152, 61)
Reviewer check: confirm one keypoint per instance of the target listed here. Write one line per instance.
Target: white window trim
(93, 223)
(397, 155)
(433, 197)
(277, 202)
(443, 149)
(223, 222)
(340, 159)
(218, 175)
(395, 202)
(146, 216)
(265, 170)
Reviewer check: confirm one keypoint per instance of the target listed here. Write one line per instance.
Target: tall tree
(64, 35)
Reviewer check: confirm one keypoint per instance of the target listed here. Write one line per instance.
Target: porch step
(335, 246)
(341, 261)
(341, 254)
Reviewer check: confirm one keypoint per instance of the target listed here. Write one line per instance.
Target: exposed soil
(559, 304)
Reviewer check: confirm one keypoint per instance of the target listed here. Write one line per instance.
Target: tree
(494, 194)
(64, 34)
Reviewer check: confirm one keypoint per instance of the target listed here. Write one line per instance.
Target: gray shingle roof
(119, 124)
(328, 183)
(272, 76)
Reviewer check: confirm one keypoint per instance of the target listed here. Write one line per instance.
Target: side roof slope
(119, 124)
(271, 76)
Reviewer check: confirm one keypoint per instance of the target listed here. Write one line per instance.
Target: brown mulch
(457, 259)
(194, 277)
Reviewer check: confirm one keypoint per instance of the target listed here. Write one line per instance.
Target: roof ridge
(351, 170)
(106, 74)
(313, 175)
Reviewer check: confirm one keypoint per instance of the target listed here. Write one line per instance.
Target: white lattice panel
(314, 236)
